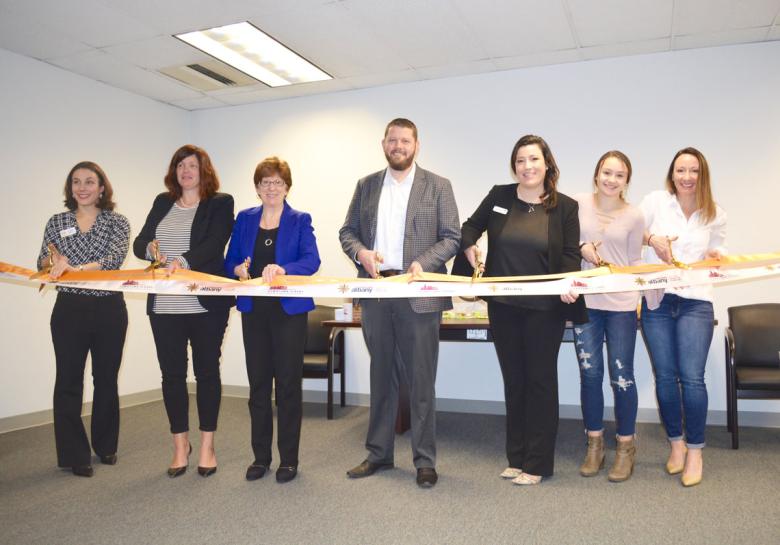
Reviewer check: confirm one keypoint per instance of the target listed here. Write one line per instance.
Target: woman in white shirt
(683, 223)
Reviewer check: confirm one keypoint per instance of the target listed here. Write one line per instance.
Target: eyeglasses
(271, 183)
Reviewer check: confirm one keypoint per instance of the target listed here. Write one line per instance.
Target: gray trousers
(401, 343)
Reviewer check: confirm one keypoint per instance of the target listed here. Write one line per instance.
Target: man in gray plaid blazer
(402, 219)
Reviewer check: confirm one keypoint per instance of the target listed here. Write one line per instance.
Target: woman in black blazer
(532, 229)
(188, 228)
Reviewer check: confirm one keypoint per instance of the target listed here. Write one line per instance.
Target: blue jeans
(620, 330)
(678, 336)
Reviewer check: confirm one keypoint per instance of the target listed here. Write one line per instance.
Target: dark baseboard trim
(473, 406)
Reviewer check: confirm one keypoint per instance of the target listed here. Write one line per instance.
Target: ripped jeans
(620, 330)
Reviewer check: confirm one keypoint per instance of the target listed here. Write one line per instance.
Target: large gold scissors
(157, 261)
(678, 264)
(246, 264)
(477, 269)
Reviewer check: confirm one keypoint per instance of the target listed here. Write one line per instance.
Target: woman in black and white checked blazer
(89, 236)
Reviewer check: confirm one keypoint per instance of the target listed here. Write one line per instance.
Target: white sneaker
(525, 479)
(511, 473)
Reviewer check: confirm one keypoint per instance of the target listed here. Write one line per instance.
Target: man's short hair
(402, 122)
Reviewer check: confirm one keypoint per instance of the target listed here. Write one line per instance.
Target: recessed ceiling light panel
(249, 49)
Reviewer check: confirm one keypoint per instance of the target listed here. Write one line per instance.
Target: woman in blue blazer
(271, 240)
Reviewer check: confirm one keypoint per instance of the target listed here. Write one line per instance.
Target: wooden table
(451, 330)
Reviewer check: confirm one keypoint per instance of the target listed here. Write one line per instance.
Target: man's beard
(399, 163)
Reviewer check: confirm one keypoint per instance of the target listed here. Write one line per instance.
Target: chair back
(316, 335)
(756, 330)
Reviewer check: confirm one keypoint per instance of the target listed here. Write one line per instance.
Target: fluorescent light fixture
(249, 49)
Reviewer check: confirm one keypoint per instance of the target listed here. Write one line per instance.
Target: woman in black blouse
(532, 229)
(188, 227)
(89, 236)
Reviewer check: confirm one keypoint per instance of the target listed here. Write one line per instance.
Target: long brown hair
(704, 201)
(550, 195)
(209, 182)
(106, 199)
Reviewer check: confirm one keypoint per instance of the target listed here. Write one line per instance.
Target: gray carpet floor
(134, 502)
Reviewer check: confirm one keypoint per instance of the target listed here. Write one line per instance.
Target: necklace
(530, 206)
(182, 204)
(269, 241)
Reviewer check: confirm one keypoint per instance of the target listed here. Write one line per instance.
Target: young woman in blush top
(611, 231)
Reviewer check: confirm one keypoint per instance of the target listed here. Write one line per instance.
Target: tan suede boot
(623, 467)
(594, 458)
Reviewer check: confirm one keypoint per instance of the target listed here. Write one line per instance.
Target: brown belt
(390, 272)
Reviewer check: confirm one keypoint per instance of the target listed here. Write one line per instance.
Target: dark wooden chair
(324, 353)
(752, 358)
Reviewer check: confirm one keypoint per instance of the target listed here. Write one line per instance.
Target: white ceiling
(365, 43)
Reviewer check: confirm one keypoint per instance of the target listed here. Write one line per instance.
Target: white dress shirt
(391, 219)
(664, 217)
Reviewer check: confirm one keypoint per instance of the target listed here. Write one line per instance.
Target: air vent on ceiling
(209, 76)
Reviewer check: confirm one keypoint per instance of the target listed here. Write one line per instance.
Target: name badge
(68, 232)
(500, 210)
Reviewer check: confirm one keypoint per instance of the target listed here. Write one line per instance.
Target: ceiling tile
(626, 49)
(382, 78)
(174, 17)
(103, 67)
(234, 90)
(727, 37)
(158, 52)
(538, 59)
(35, 39)
(91, 23)
(700, 16)
(420, 33)
(503, 28)
(260, 95)
(289, 91)
(332, 37)
(600, 22)
(201, 103)
(450, 70)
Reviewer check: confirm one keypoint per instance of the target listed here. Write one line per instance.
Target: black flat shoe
(366, 469)
(255, 471)
(108, 459)
(206, 471)
(174, 472)
(426, 477)
(285, 474)
(82, 471)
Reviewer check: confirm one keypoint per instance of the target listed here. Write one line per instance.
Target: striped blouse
(173, 233)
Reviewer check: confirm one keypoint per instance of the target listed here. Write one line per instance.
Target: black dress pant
(527, 343)
(82, 324)
(273, 343)
(204, 332)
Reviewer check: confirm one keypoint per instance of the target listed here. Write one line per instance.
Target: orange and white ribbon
(611, 279)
